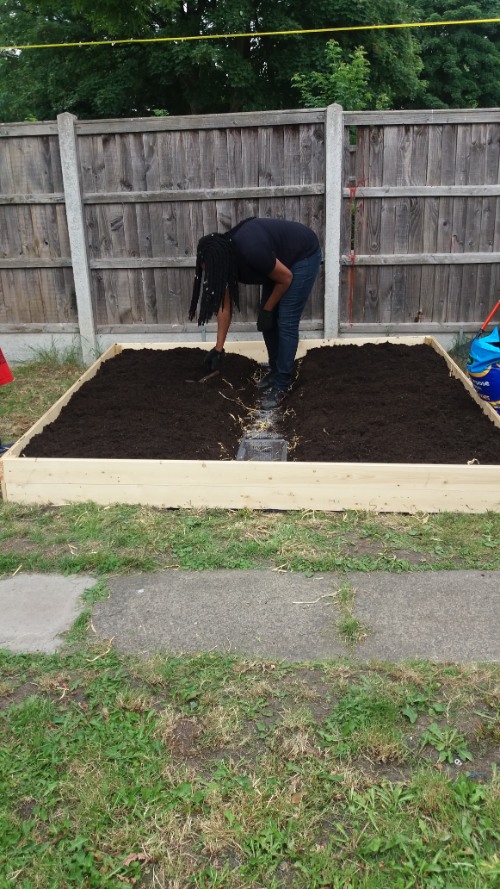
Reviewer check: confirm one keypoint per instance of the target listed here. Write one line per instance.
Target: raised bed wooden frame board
(380, 487)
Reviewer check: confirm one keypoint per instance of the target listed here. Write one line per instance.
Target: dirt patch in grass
(374, 403)
(21, 547)
(185, 734)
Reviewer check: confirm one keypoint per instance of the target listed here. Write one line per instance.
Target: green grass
(37, 385)
(104, 540)
(212, 771)
(349, 627)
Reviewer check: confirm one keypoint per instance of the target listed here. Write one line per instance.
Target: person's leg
(271, 336)
(286, 326)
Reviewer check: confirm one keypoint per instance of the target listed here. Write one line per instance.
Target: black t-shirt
(260, 242)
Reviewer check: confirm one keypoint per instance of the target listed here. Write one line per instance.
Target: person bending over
(284, 258)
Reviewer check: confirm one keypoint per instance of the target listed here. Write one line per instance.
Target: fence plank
(427, 308)
(429, 117)
(451, 259)
(36, 198)
(426, 191)
(199, 121)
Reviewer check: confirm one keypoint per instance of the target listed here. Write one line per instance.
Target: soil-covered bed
(378, 403)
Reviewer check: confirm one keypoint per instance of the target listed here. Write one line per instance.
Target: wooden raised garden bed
(393, 427)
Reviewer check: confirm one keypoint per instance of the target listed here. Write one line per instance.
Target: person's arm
(223, 321)
(214, 358)
(282, 276)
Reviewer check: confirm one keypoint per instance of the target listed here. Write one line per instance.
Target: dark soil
(385, 403)
(142, 405)
(372, 403)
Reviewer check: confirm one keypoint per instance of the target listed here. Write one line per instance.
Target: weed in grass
(6, 687)
(211, 877)
(381, 745)
(292, 736)
(417, 702)
(134, 702)
(33, 714)
(349, 627)
(365, 720)
(489, 731)
(351, 630)
(191, 681)
(294, 746)
(93, 594)
(450, 744)
(433, 793)
(57, 356)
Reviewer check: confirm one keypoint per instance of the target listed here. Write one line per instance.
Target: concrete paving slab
(252, 613)
(439, 616)
(35, 609)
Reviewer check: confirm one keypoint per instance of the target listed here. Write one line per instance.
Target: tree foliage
(243, 73)
(461, 63)
(346, 81)
(90, 81)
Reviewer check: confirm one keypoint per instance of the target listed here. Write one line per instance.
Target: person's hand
(213, 360)
(264, 321)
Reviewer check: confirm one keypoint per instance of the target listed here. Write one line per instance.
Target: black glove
(213, 360)
(264, 321)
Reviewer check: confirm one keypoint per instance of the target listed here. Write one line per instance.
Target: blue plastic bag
(483, 367)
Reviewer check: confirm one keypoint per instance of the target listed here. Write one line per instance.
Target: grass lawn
(215, 771)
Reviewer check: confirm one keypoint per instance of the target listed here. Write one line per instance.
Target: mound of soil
(147, 404)
(372, 403)
(384, 403)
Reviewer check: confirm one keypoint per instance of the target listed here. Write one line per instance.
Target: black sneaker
(273, 399)
(266, 382)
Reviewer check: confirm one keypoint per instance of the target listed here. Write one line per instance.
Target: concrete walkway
(440, 616)
(36, 609)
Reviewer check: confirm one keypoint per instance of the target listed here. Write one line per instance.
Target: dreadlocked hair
(217, 265)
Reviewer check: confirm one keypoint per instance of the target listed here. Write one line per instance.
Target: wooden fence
(421, 234)
(99, 220)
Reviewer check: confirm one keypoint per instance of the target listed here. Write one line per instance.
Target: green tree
(461, 63)
(227, 74)
(346, 81)
(90, 81)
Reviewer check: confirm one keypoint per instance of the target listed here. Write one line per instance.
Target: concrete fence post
(76, 231)
(334, 136)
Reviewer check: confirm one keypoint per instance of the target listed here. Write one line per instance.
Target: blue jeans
(282, 341)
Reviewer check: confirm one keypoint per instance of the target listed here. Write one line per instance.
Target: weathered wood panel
(428, 190)
(33, 228)
(202, 162)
